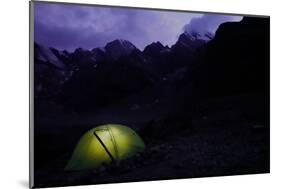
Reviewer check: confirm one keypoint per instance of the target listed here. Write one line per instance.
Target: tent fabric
(103, 145)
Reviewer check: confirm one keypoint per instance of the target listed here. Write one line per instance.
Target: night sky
(68, 26)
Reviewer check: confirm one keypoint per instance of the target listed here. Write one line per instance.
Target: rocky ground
(225, 136)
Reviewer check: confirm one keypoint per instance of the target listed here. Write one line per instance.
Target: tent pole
(103, 145)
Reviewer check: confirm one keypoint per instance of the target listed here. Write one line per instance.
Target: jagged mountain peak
(80, 50)
(47, 55)
(190, 40)
(98, 49)
(118, 48)
(155, 48)
(125, 44)
(186, 38)
(157, 44)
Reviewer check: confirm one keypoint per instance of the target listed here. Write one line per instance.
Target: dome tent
(105, 144)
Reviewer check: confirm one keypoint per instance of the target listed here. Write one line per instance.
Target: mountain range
(87, 79)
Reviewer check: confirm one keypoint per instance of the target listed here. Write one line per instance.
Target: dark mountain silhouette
(50, 71)
(118, 48)
(236, 60)
(85, 79)
(232, 61)
(98, 54)
(184, 51)
(189, 42)
(155, 49)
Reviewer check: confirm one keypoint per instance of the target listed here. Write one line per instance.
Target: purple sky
(68, 26)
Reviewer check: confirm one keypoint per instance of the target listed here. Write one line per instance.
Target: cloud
(209, 23)
(68, 26)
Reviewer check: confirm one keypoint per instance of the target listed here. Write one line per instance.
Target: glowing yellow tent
(105, 144)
